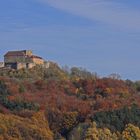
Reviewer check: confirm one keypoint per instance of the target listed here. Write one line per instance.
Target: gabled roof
(15, 53)
(34, 56)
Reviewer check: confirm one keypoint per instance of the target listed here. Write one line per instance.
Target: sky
(101, 36)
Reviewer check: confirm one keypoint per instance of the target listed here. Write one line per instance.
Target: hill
(63, 103)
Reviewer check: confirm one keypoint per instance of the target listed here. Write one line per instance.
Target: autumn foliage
(58, 103)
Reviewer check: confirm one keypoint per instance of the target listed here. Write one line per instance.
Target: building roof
(21, 53)
(15, 53)
(34, 56)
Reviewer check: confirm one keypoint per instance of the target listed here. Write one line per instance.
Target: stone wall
(1, 64)
(10, 65)
(21, 66)
(30, 65)
(38, 61)
(28, 52)
(11, 59)
(46, 64)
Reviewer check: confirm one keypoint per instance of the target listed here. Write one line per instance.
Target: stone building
(1, 64)
(22, 59)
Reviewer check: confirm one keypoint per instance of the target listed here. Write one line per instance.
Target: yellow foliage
(109, 90)
(17, 128)
(94, 133)
(131, 132)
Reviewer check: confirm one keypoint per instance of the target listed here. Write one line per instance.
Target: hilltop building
(22, 59)
(1, 64)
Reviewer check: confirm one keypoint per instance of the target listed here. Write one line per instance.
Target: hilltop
(67, 103)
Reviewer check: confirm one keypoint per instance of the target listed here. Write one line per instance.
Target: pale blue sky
(102, 36)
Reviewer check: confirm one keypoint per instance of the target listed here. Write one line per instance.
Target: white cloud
(104, 11)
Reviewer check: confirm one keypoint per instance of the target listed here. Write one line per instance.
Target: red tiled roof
(15, 53)
(20, 53)
(34, 56)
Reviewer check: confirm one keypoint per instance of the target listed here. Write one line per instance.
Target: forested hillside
(72, 104)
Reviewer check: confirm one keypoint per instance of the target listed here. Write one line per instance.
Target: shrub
(117, 119)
